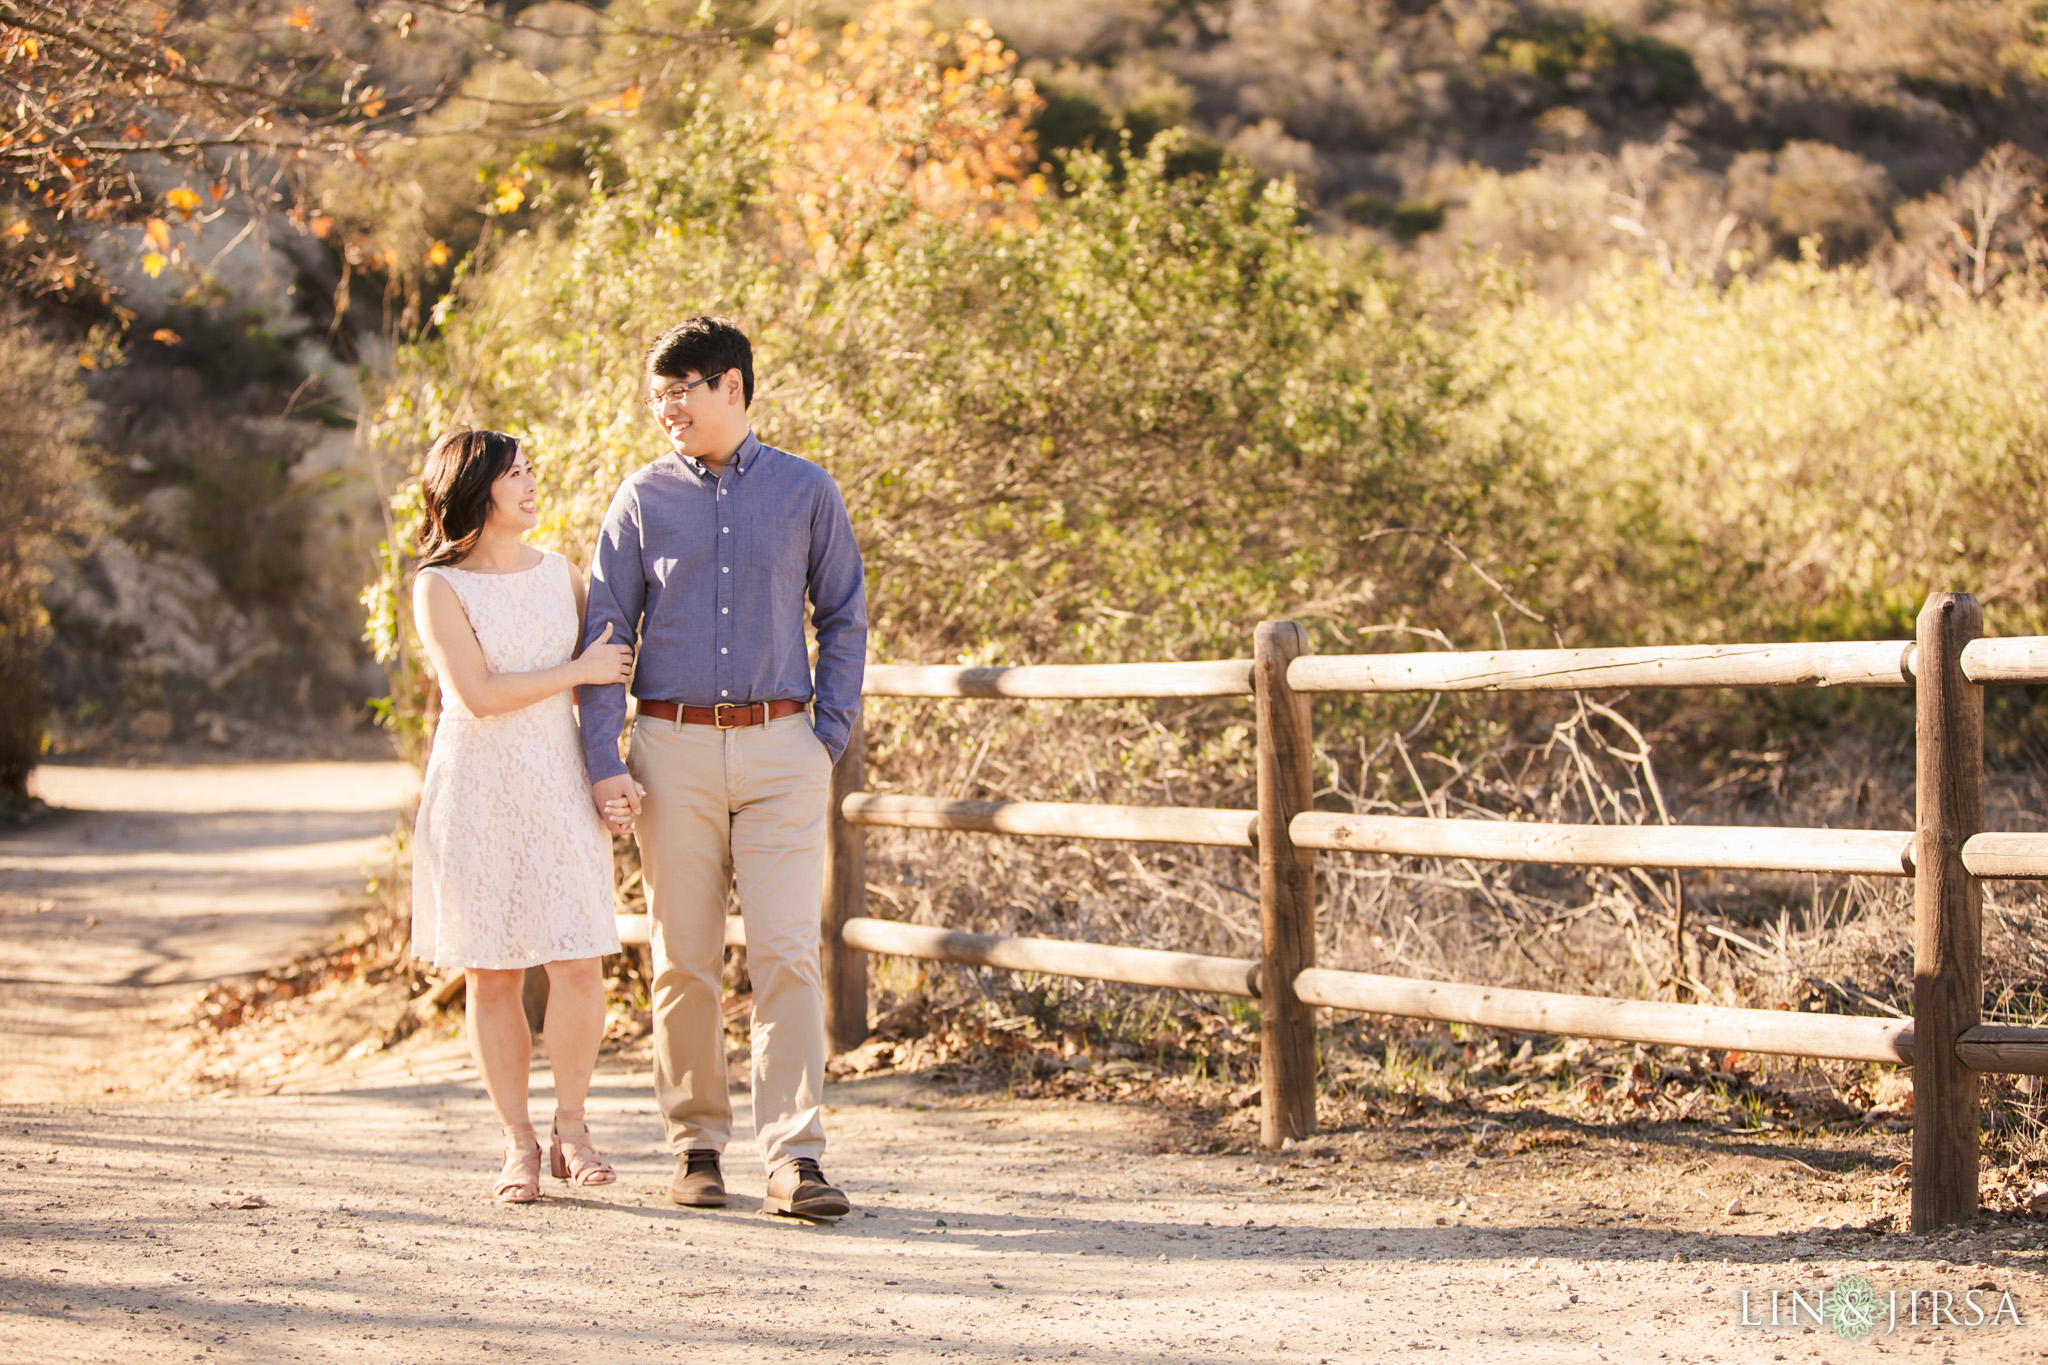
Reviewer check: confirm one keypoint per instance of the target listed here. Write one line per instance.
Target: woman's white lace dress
(511, 864)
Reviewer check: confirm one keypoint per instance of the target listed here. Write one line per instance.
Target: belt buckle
(718, 713)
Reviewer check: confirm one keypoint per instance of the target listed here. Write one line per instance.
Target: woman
(511, 865)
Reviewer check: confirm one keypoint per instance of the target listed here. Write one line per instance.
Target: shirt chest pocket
(779, 546)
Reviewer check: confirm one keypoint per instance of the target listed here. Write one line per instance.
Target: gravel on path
(354, 1225)
(349, 1221)
(143, 884)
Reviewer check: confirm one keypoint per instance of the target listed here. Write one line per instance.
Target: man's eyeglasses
(681, 393)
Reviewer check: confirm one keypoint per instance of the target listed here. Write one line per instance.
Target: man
(704, 562)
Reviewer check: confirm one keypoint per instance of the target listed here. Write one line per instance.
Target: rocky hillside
(237, 513)
(212, 600)
(1562, 132)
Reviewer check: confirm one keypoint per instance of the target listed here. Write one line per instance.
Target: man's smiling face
(702, 417)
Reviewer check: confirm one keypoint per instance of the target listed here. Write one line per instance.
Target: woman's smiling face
(515, 497)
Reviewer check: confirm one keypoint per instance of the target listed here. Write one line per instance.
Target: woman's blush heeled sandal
(519, 1182)
(575, 1159)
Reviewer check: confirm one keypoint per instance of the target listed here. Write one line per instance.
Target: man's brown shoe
(798, 1188)
(697, 1183)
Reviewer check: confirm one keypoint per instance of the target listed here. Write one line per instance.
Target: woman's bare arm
(459, 660)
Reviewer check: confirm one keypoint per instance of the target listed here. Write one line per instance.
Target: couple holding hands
(696, 598)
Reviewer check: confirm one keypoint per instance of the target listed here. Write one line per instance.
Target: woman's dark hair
(709, 346)
(456, 488)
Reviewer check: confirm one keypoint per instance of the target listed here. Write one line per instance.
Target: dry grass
(1787, 942)
(1795, 942)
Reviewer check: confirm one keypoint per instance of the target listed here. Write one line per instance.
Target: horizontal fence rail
(1755, 848)
(1867, 663)
(1946, 663)
(1221, 678)
(1834, 1037)
(1871, 853)
(1842, 1037)
(1870, 663)
(2003, 1047)
(1055, 819)
(2008, 659)
(1057, 957)
(1877, 663)
(2006, 855)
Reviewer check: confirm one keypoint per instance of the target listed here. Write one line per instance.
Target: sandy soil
(348, 1220)
(144, 884)
(352, 1225)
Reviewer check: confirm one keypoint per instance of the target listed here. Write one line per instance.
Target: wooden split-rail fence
(1946, 855)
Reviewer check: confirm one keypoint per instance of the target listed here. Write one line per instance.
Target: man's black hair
(709, 346)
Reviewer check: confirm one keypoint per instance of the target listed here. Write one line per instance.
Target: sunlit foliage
(1793, 454)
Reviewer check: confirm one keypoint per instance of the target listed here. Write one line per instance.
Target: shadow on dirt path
(353, 1225)
(143, 884)
(348, 1220)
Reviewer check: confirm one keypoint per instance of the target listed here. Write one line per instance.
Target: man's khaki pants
(744, 808)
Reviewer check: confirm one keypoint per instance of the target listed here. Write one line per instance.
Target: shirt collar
(742, 459)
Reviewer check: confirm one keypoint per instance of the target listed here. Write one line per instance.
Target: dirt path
(983, 1231)
(144, 884)
(346, 1220)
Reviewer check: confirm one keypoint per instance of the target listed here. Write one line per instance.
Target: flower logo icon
(1852, 1308)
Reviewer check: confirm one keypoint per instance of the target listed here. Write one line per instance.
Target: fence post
(846, 889)
(1287, 889)
(1947, 906)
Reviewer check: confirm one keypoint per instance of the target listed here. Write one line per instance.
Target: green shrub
(1129, 431)
(1795, 454)
(1407, 220)
(1563, 51)
(1131, 421)
(40, 477)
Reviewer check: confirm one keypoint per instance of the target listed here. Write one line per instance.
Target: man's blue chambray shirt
(708, 575)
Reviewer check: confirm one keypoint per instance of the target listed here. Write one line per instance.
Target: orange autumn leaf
(438, 254)
(18, 228)
(625, 102)
(935, 122)
(301, 18)
(320, 225)
(511, 194)
(183, 200)
(217, 190)
(159, 234)
(166, 336)
(133, 132)
(153, 264)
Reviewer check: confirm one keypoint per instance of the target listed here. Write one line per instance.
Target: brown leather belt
(725, 715)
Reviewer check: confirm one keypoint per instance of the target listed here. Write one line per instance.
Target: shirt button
(722, 611)
(723, 569)
(724, 651)
(725, 694)
(725, 530)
